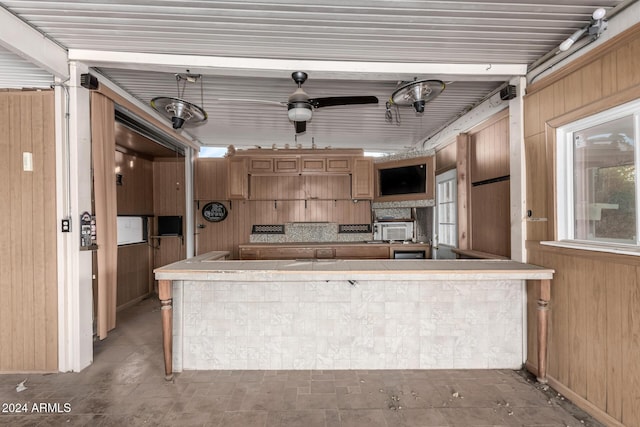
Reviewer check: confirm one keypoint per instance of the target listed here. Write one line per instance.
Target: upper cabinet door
(339, 164)
(238, 178)
(313, 164)
(260, 165)
(286, 165)
(362, 179)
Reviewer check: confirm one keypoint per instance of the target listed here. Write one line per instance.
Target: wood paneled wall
(489, 149)
(490, 220)
(595, 297)
(594, 339)
(324, 203)
(168, 199)
(28, 282)
(236, 228)
(446, 158)
(135, 197)
(285, 187)
(484, 222)
(134, 273)
(210, 179)
(490, 202)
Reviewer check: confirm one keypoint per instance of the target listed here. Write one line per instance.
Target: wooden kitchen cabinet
(238, 178)
(313, 164)
(260, 165)
(337, 250)
(245, 166)
(277, 252)
(364, 251)
(362, 179)
(339, 164)
(286, 165)
(325, 253)
(273, 165)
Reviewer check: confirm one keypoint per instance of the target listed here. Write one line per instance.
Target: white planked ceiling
(17, 73)
(386, 32)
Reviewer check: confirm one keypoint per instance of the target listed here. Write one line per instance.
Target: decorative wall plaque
(214, 212)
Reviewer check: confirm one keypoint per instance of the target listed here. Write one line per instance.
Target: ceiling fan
(300, 106)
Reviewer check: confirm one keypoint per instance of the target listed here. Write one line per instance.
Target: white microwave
(399, 231)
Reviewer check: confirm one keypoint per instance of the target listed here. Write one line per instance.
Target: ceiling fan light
(299, 112)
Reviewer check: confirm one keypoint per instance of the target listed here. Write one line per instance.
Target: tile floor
(125, 386)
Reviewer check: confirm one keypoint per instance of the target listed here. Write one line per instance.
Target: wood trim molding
(578, 400)
(535, 246)
(595, 107)
(587, 58)
(489, 121)
(464, 191)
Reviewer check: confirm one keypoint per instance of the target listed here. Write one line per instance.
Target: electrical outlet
(66, 225)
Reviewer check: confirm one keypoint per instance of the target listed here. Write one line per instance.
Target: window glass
(446, 205)
(604, 182)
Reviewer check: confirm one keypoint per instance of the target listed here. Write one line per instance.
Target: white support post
(518, 189)
(188, 195)
(73, 170)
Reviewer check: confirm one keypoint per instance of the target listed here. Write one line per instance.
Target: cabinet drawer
(288, 253)
(363, 252)
(246, 253)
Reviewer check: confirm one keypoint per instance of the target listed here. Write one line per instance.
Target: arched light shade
(299, 111)
(417, 93)
(180, 112)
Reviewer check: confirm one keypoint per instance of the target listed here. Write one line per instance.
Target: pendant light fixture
(416, 93)
(181, 112)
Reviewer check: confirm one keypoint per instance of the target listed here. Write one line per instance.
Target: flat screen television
(410, 179)
(169, 225)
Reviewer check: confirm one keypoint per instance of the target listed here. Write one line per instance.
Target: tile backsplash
(310, 232)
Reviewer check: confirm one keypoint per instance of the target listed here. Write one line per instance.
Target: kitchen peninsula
(348, 314)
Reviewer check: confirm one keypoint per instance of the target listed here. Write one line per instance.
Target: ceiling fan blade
(342, 100)
(255, 101)
(301, 127)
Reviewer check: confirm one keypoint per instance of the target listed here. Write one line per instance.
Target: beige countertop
(206, 267)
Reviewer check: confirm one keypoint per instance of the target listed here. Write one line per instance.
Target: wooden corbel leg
(543, 327)
(166, 301)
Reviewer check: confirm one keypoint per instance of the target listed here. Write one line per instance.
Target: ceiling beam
(256, 67)
(25, 41)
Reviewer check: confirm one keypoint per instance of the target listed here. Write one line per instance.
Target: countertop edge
(198, 268)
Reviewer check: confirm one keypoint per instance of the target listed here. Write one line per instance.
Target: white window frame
(442, 249)
(564, 180)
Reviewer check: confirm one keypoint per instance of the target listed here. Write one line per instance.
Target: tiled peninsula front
(346, 314)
